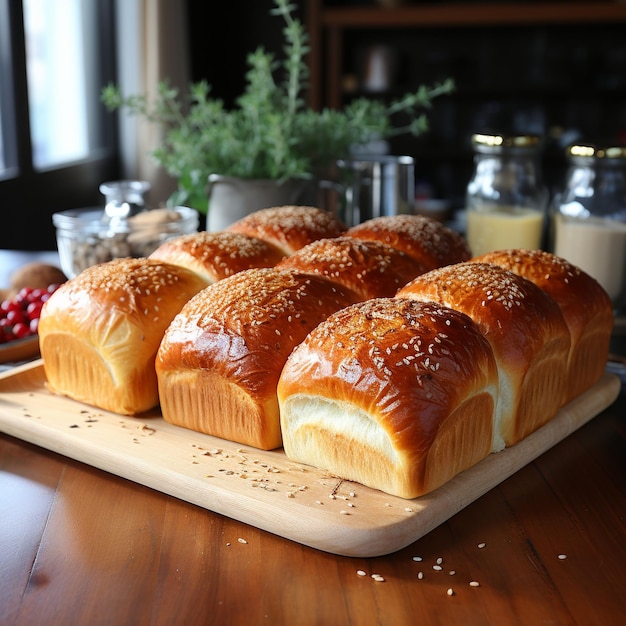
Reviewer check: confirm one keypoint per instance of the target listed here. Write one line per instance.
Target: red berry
(33, 309)
(22, 295)
(19, 316)
(20, 330)
(8, 305)
(35, 295)
(15, 316)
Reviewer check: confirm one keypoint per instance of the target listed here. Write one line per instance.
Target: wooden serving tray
(264, 489)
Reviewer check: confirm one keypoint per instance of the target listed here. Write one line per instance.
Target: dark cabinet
(553, 68)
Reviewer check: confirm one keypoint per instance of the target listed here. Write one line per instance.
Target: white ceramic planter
(230, 198)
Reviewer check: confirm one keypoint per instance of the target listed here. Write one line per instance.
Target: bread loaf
(425, 239)
(370, 268)
(585, 305)
(220, 359)
(36, 275)
(217, 255)
(100, 331)
(392, 393)
(527, 333)
(289, 228)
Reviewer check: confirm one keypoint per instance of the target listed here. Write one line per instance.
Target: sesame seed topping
(289, 227)
(423, 238)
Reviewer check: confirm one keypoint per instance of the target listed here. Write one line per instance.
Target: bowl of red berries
(20, 310)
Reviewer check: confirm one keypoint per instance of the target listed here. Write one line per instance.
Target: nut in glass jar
(85, 237)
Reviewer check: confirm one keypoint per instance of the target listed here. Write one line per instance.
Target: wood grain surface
(81, 546)
(264, 489)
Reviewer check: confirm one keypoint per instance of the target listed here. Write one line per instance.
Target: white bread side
(395, 394)
(584, 303)
(220, 359)
(100, 331)
(527, 333)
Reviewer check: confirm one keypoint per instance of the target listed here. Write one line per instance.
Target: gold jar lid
(591, 151)
(500, 143)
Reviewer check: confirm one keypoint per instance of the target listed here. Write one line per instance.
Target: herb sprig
(270, 133)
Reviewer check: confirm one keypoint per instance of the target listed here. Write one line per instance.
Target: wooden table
(79, 546)
(547, 546)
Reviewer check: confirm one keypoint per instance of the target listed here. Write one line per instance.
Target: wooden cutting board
(264, 489)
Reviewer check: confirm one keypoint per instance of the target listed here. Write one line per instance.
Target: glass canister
(124, 198)
(124, 227)
(589, 221)
(506, 199)
(84, 239)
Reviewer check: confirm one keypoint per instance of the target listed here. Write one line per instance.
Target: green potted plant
(270, 136)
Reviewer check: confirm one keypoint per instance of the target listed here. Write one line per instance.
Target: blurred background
(557, 69)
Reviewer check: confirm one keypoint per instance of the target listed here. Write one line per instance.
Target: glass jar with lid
(124, 227)
(589, 221)
(506, 199)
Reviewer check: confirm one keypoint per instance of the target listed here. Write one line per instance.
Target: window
(57, 142)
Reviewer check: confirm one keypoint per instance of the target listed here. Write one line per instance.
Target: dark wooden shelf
(486, 47)
(328, 24)
(472, 14)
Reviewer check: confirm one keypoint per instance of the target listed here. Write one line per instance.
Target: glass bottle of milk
(506, 199)
(589, 224)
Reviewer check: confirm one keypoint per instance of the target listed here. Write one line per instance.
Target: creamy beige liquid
(597, 246)
(498, 230)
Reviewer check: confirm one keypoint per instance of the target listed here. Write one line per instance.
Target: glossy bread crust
(525, 328)
(585, 305)
(289, 227)
(428, 241)
(100, 331)
(218, 255)
(396, 394)
(220, 359)
(370, 268)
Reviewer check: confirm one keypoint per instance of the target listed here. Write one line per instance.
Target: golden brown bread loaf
(220, 359)
(585, 305)
(395, 394)
(289, 228)
(527, 333)
(370, 268)
(217, 255)
(100, 331)
(425, 239)
(37, 275)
